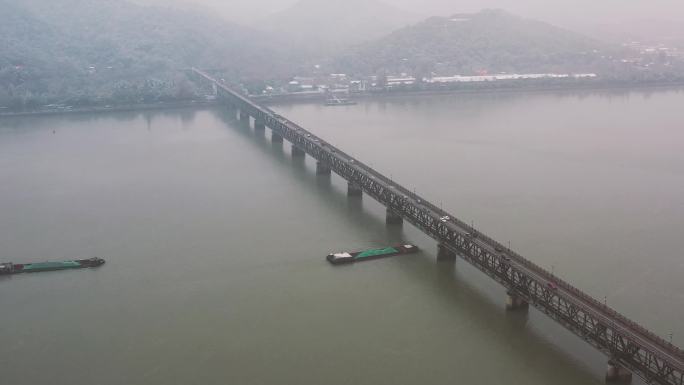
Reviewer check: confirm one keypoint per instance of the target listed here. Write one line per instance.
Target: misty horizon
(565, 12)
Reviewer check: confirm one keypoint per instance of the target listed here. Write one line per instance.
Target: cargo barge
(339, 102)
(351, 257)
(18, 268)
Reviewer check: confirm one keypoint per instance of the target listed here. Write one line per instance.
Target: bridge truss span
(627, 344)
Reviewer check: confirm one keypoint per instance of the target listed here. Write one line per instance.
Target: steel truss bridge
(630, 347)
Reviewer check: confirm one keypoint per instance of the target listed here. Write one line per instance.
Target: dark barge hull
(345, 103)
(18, 268)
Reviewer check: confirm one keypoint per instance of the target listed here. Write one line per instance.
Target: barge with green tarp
(350, 257)
(17, 268)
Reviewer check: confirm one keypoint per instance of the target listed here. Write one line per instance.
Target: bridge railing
(602, 307)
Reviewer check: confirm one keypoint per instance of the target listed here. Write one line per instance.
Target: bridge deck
(624, 341)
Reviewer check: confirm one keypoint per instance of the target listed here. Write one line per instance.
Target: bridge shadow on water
(458, 286)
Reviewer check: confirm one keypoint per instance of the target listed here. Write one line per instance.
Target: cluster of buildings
(342, 83)
(647, 55)
(333, 83)
(646, 49)
(500, 77)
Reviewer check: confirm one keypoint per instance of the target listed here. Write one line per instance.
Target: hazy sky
(568, 12)
(596, 10)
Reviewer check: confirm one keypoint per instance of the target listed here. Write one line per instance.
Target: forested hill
(80, 51)
(492, 41)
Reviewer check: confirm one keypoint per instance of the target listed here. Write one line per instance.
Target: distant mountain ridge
(128, 30)
(52, 50)
(326, 25)
(78, 52)
(488, 41)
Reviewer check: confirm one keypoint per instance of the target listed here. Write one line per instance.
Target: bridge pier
(232, 111)
(322, 168)
(243, 117)
(276, 138)
(515, 302)
(297, 152)
(354, 190)
(259, 125)
(617, 374)
(393, 218)
(444, 253)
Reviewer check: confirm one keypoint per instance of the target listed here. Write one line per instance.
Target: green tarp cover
(52, 265)
(375, 252)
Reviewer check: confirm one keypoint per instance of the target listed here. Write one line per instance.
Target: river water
(215, 241)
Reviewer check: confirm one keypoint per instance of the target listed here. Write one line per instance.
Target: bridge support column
(354, 190)
(617, 374)
(445, 254)
(232, 111)
(276, 138)
(515, 302)
(322, 169)
(297, 152)
(243, 117)
(393, 218)
(259, 125)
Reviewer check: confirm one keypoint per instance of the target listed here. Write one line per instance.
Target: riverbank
(121, 108)
(295, 98)
(604, 86)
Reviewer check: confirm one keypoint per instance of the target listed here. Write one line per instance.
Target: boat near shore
(335, 101)
(356, 256)
(18, 268)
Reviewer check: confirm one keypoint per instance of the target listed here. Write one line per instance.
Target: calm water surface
(215, 238)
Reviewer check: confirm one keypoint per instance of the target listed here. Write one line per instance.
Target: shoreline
(123, 108)
(308, 98)
(293, 99)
